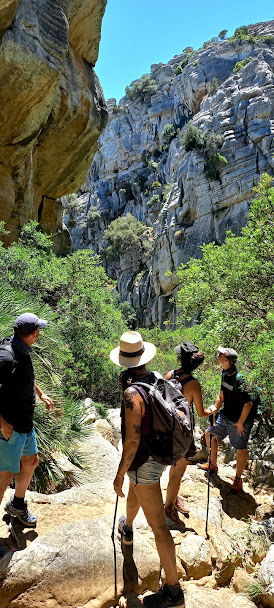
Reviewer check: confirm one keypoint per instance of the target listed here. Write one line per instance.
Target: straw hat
(132, 351)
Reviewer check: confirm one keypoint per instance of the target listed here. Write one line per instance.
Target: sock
(174, 590)
(18, 503)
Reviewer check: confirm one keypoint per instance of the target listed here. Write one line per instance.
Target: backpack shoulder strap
(187, 379)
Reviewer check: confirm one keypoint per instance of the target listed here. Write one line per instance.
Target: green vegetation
(184, 63)
(129, 314)
(241, 64)
(214, 165)
(208, 143)
(213, 86)
(230, 289)
(155, 201)
(126, 231)
(141, 89)
(155, 185)
(168, 134)
(93, 214)
(71, 203)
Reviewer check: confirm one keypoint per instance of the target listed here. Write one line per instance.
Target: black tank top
(143, 451)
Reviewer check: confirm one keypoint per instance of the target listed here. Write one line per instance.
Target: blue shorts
(223, 427)
(19, 444)
(150, 472)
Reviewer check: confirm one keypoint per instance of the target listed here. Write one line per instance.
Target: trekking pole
(114, 548)
(208, 486)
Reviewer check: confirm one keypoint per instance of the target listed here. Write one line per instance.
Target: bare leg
(241, 462)
(175, 476)
(214, 447)
(151, 501)
(5, 479)
(23, 478)
(133, 505)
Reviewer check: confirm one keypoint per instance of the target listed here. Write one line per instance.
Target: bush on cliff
(126, 231)
(141, 89)
(208, 143)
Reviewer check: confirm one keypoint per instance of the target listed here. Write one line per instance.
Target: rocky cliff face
(52, 109)
(135, 162)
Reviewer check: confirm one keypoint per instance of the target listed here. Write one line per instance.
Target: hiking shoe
(24, 515)
(181, 506)
(204, 467)
(167, 597)
(125, 532)
(237, 485)
(173, 515)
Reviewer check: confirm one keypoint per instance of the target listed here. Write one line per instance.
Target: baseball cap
(186, 348)
(27, 323)
(230, 353)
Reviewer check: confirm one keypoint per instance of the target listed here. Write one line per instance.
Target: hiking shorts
(18, 445)
(150, 472)
(223, 427)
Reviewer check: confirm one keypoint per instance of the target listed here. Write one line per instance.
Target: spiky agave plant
(59, 432)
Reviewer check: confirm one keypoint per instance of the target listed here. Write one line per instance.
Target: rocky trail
(68, 560)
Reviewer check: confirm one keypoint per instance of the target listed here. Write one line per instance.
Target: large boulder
(266, 576)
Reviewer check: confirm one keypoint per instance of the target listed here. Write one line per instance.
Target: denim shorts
(224, 427)
(150, 472)
(19, 444)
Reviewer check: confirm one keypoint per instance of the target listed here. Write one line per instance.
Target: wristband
(212, 409)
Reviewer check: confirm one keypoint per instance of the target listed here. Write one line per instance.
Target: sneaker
(173, 515)
(181, 506)
(24, 515)
(204, 467)
(237, 484)
(165, 599)
(125, 532)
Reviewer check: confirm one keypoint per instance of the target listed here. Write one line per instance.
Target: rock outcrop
(52, 108)
(138, 170)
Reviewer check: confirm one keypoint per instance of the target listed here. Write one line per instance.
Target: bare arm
(6, 428)
(134, 409)
(45, 398)
(240, 424)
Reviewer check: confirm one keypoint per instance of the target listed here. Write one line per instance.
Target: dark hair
(189, 362)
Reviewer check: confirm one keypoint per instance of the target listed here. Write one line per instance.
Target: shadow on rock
(130, 572)
(17, 539)
(239, 505)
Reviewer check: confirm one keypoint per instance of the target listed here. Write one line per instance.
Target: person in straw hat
(144, 473)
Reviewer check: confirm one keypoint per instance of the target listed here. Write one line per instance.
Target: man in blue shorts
(235, 418)
(18, 448)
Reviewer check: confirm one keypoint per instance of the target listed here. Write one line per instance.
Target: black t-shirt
(235, 396)
(17, 393)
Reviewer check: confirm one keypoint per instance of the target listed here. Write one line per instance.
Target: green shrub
(168, 134)
(122, 233)
(93, 214)
(128, 314)
(241, 31)
(141, 89)
(213, 86)
(152, 165)
(178, 70)
(268, 39)
(71, 202)
(155, 185)
(241, 64)
(194, 138)
(155, 201)
(214, 165)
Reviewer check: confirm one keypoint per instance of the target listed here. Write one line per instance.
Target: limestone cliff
(135, 162)
(52, 108)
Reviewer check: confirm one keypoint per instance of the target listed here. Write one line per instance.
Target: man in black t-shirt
(18, 448)
(234, 419)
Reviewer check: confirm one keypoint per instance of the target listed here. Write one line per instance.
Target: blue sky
(137, 33)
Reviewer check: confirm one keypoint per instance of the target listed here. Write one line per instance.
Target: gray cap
(27, 323)
(186, 349)
(230, 353)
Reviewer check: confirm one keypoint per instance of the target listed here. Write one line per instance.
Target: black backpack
(172, 429)
(5, 345)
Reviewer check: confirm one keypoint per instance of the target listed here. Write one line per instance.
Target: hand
(240, 428)
(6, 428)
(47, 400)
(117, 484)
